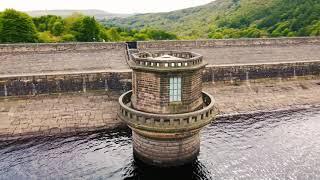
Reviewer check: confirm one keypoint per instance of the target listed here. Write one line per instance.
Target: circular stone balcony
(167, 123)
(166, 61)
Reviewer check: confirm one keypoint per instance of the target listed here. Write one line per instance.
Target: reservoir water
(278, 145)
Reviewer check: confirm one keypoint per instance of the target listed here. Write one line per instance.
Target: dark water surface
(282, 145)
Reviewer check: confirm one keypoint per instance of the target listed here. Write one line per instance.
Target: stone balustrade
(184, 59)
(166, 123)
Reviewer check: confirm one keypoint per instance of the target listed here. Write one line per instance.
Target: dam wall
(58, 114)
(56, 47)
(49, 89)
(253, 72)
(250, 59)
(56, 83)
(190, 44)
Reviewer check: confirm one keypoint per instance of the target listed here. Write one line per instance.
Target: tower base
(166, 152)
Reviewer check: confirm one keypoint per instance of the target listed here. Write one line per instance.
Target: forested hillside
(235, 19)
(219, 19)
(187, 23)
(16, 27)
(98, 14)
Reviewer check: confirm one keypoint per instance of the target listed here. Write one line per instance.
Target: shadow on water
(140, 170)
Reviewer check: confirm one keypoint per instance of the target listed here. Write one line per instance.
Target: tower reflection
(139, 170)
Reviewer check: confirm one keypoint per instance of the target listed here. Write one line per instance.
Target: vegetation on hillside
(272, 18)
(18, 27)
(190, 23)
(234, 19)
(98, 14)
(219, 19)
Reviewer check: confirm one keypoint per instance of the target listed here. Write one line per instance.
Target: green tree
(114, 34)
(47, 37)
(314, 30)
(68, 38)
(0, 26)
(86, 29)
(17, 27)
(140, 37)
(46, 23)
(42, 27)
(57, 28)
(157, 34)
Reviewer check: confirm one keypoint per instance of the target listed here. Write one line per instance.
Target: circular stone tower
(166, 108)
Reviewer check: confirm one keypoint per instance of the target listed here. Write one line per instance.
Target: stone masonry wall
(191, 97)
(43, 47)
(151, 92)
(166, 152)
(146, 96)
(58, 114)
(144, 45)
(232, 73)
(62, 83)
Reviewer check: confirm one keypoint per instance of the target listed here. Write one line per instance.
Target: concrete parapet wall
(43, 47)
(161, 45)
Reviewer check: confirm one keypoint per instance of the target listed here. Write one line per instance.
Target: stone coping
(51, 47)
(261, 64)
(205, 43)
(167, 123)
(64, 73)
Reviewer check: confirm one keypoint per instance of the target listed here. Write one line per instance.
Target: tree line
(18, 27)
(243, 19)
(274, 18)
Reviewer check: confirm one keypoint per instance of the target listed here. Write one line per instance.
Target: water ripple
(276, 145)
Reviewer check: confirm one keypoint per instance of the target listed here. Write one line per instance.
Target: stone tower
(166, 108)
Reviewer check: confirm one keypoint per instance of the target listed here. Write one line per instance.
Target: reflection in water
(139, 170)
(282, 145)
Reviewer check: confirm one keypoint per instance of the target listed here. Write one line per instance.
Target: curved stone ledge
(166, 123)
(154, 61)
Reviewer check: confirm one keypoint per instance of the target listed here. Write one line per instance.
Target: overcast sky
(114, 6)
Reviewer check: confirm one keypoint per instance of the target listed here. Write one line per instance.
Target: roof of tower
(167, 57)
